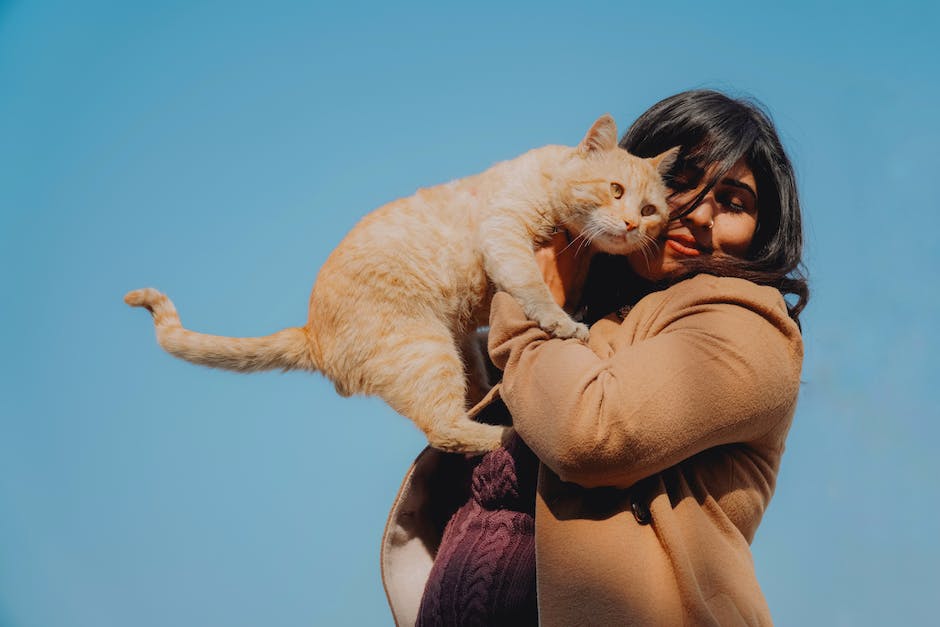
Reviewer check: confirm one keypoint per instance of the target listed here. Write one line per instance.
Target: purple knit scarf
(484, 571)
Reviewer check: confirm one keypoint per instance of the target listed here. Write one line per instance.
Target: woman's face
(723, 223)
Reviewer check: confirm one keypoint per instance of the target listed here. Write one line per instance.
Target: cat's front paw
(564, 327)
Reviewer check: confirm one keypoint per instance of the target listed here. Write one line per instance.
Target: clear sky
(219, 150)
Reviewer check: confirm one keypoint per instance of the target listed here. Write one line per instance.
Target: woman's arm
(564, 265)
(709, 361)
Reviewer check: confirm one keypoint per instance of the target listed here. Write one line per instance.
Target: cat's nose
(630, 225)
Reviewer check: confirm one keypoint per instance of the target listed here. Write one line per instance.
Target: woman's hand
(564, 265)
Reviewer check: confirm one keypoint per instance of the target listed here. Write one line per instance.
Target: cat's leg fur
(509, 260)
(418, 371)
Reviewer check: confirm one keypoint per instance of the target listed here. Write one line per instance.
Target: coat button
(641, 512)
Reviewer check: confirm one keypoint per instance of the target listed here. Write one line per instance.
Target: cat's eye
(616, 190)
(648, 210)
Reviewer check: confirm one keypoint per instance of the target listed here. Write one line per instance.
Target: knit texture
(484, 571)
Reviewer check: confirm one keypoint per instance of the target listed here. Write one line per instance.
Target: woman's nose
(703, 214)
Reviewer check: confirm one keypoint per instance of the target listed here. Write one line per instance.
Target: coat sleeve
(718, 363)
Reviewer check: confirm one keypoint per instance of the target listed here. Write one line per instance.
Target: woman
(655, 447)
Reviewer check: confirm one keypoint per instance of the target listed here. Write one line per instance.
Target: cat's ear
(602, 136)
(665, 160)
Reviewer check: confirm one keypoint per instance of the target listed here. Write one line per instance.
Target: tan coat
(659, 443)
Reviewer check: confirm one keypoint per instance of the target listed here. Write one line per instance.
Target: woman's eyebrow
(740, 185)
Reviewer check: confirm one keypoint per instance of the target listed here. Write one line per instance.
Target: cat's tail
(290, 349)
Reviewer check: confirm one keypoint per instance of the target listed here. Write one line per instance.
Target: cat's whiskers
(646, 245)
(585, 243)
(585, 238)
(576, 238)
(590, 234)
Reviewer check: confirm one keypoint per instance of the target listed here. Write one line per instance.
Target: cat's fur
(394, 308)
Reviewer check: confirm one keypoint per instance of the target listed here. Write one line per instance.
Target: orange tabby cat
(394, 308)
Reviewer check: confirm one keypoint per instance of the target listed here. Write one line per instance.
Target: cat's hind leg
(421, 375)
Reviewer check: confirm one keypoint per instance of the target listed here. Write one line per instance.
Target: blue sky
(219, 150)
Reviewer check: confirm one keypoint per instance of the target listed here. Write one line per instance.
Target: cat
(395, 307)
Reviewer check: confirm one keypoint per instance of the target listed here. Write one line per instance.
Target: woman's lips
(683, 244)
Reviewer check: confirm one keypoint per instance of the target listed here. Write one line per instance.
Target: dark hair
(714, 129)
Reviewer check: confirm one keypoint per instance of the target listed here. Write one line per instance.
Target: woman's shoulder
(736, 312)
(711, 288)
(706, 292)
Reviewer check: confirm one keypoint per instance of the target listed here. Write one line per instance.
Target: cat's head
(614, 200)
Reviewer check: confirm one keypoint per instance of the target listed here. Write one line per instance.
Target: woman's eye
(648, 210)
(732, 203)
(616, 190)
